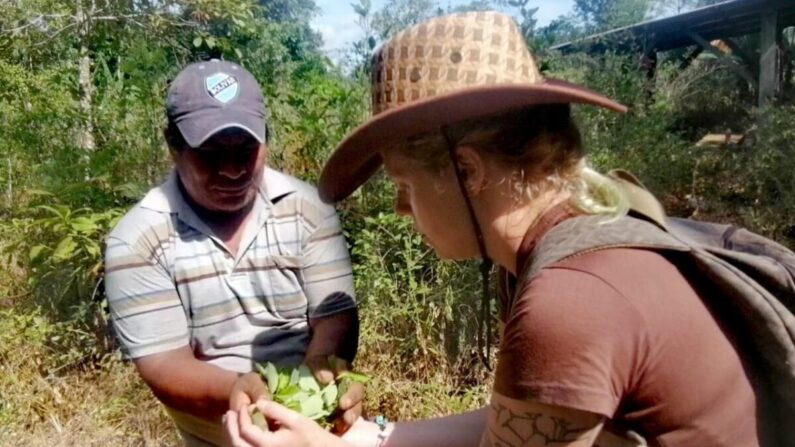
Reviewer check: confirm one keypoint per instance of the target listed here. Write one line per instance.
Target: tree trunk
(86, 135)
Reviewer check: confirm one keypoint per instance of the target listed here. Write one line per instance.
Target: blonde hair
(543, 147)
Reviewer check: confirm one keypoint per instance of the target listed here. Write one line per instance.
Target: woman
(604, 348)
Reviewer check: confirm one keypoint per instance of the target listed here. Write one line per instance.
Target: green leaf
(288, 392)
(295, 377)
(353, 376)
(284, 379)
(306, 380)
(84, 225)
(36, 251)
(93, 250)
(259, 419)
(197, 41)
(329, 395)
(39, 192)
(271, 376)
(312, 407)
(210, 42)
(65, 249)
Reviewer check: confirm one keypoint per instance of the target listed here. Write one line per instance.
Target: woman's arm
(295, 430)
(460, 430)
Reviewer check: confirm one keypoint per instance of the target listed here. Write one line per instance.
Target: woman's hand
(292, 429)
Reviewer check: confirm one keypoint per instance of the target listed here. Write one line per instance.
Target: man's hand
(351, 401)
(246, 390)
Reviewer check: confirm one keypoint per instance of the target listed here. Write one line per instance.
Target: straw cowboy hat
(443, 71)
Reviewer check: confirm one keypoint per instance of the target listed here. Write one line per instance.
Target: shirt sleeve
(145, 309)
(571, 340)
(327, 272)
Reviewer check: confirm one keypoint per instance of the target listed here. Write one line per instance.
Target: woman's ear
(473, 169)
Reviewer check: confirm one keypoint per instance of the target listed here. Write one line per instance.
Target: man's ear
(473, 169)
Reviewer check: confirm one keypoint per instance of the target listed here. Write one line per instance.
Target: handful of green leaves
(298, 390)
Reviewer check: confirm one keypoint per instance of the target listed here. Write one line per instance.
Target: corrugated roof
(722, 20)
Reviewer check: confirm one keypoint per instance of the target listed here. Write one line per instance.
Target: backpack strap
(585, 234)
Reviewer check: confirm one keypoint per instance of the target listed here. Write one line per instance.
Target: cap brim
(199, 126)
(357, 158)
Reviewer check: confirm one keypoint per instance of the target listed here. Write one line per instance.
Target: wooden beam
(731, 63)
(741, 54)
(690, 58)
(769, 63)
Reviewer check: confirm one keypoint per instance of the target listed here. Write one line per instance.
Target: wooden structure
(699, 27)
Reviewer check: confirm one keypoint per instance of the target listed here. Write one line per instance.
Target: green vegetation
(81, 118)
(298, 390)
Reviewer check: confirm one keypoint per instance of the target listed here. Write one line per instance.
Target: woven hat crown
(449, 54)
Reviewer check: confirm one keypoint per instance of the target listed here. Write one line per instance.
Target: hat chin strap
(484, 323)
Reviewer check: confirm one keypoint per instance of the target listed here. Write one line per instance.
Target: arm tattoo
(540, 428)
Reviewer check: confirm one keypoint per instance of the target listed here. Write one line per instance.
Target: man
(227, 263)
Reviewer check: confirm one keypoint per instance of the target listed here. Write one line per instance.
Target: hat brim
(357, 157)
(199, 126)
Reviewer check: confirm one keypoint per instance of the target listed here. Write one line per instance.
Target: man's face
(223, 174)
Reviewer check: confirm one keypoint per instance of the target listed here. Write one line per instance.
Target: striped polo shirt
(172, 283)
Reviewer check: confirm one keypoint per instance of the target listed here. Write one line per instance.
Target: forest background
(81, 118)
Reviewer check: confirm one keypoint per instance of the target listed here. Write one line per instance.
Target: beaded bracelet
(381, 421)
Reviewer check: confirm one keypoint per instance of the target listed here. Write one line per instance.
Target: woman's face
(434, 201)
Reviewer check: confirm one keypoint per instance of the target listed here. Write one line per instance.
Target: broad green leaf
(312, 406)
(93, 249)
(329, 395)
(295, 377)
(84, 225)
(284, 379)
(295, 406)
(299, 396)
(306, 380)
(272, 376)
(36, 251)
(288, 392)
(197, 41)
(65, 249)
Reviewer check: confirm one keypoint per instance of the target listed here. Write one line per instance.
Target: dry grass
(105, 403)
(93, 404)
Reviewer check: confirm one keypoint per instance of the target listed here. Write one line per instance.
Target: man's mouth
(233, 189)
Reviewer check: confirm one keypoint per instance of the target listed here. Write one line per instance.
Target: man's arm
(514, 423)
(150, 322)
(336, 334)
(186, 384)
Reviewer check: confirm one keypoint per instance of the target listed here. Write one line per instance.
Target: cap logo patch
(222, 87)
